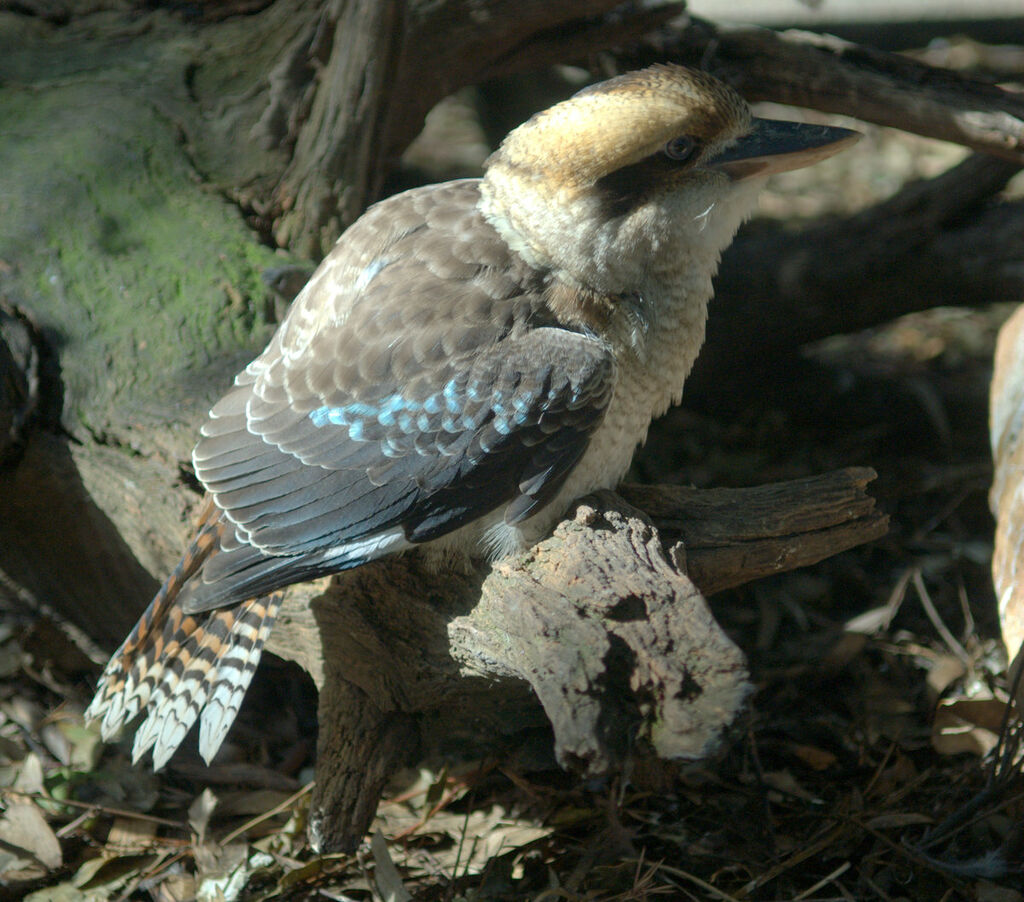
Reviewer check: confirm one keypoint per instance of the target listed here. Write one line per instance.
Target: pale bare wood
(1006, 408)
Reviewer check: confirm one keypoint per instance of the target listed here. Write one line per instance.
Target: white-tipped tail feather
(202, 672)
(177, 667)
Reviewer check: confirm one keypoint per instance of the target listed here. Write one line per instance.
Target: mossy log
(149, 160)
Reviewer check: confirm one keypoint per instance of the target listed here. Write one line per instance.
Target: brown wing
(417, 385)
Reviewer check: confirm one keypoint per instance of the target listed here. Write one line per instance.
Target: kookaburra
(467, 360)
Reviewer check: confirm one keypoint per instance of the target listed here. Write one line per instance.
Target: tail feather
(235, 670)
(206, 679)
(182, 637)
(178, 667)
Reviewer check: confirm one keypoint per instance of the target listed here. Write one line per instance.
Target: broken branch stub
(618, 645)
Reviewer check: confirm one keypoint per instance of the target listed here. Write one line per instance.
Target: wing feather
(418, 383)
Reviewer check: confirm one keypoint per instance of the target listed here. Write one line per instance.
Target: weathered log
(202, 146)
(402, 656)
(146, 275)
(727, 536)
(599, 626)
(1006, 411)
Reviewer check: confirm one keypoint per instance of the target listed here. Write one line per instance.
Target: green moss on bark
(143, 276)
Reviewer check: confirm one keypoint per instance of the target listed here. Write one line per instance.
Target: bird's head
(653, 170)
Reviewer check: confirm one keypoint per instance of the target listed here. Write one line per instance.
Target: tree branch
(598, 623)
(825, 73)
(935, 243)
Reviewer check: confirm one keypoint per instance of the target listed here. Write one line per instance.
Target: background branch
(825, 73)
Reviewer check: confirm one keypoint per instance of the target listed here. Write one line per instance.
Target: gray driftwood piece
(597, 631)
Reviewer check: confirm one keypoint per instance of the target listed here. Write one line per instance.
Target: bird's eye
(681, 148)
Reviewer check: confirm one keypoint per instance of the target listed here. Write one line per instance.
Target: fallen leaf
(968, 725)
(943, 673)
(11, 658)
(813, 757)
(475, 839)
(111, 874)
(386, 876)
(30, 775)
(66, 892)
(129, 836)
(298, 875)
(223, 871)
(86, 745)
(199, 813)
(784, 781)
(175, 888)
(24, 829)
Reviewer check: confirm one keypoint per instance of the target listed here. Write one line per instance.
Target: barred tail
(214, 658)
(178, 667)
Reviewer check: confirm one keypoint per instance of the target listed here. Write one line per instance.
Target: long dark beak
(776, 146)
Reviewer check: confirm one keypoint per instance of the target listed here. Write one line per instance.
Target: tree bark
(938, 242)
(822, 72)
(374, 93)
(149, 161)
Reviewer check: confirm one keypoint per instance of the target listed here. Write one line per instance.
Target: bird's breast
(649, 379)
